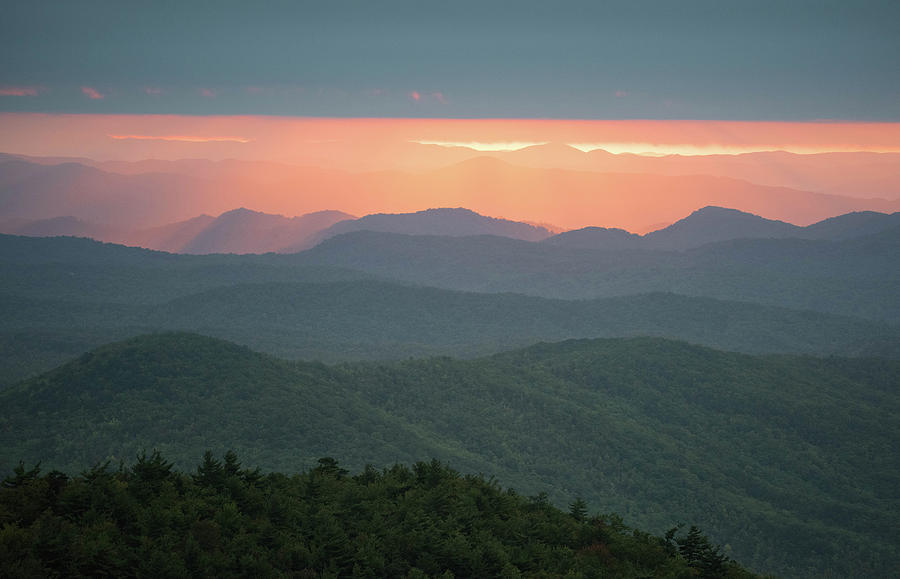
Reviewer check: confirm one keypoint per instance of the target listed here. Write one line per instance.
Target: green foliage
(699, 553)
(429, 521)
(788, 460)
(578, 509)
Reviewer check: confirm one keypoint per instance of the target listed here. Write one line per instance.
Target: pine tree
(578, 509)
(210, 473)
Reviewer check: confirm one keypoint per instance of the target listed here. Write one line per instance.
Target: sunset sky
(296, 140)
(364, 86)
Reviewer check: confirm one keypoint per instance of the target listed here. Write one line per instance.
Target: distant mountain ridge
(859, 174)
(179, 190)
(453, 222)
(713, 224)
(790, 272)
(67, 225)
(374, 320)
(245, 231)
(237, 231)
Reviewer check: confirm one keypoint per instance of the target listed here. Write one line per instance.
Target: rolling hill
(855, 277)
(350, 298)
(378, 320)
(788, 460)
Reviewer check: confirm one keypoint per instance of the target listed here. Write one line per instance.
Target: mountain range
(362, 294)
(567, 198)
(245, 231)
(854, 174)
(856, 276)
(713, 224)
(381, 320)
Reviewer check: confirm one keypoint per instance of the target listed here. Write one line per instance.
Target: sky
(368, 143)
(758, 60)
(374, 86)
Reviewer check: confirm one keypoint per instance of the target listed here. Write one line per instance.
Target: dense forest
(224, 520)
(786, 461)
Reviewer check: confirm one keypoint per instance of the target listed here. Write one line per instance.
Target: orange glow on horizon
(688, 150)
(479, 146)
(294, 139)
(524, 169)
(182, 138)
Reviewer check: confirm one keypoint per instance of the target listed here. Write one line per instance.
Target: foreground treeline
(225, 520)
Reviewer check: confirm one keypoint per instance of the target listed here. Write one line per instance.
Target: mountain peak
(244, 212)
(717, 210)
(596, 238)
(713, 223)
(449, 221)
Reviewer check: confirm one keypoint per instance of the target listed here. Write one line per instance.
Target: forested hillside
(64, 296)
(224, 520)
(786, 461)
(855, 277)
(370, 320)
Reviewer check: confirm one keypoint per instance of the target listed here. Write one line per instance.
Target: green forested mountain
(856, 277)
(224, 520)
(84, 270)
(787, 461)
(63, 296)
(369, 319)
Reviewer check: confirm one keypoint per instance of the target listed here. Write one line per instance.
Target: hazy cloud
(92, 93)
(483, 145)
(18, 91)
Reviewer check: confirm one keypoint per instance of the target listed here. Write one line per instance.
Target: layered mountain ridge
(246, 231)
(156, 193)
